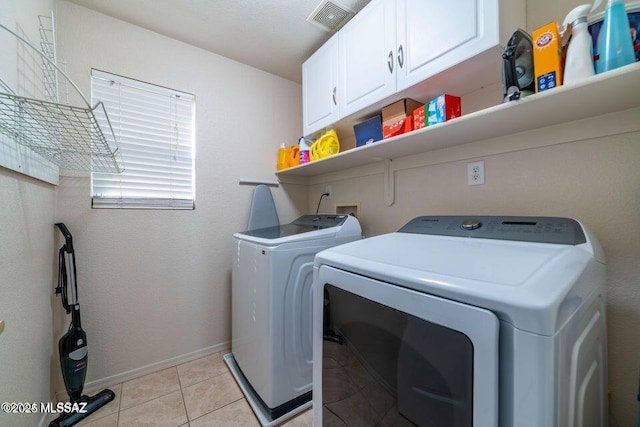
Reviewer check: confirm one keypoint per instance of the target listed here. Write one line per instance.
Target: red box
(419, 118)
(392, 113)
(398, 128)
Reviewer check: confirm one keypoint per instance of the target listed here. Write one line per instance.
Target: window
(155, 127)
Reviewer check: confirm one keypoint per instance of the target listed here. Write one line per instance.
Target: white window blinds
(156, 130)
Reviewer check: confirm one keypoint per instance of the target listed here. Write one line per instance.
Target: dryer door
(387, 355)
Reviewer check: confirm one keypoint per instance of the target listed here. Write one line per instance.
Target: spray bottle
(579, 61)
(614, 42)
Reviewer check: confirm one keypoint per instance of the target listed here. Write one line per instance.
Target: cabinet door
(435, 36)
(319, 88)
(368, 66)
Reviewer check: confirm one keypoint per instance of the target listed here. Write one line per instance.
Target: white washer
(462, 321)
(272, 274)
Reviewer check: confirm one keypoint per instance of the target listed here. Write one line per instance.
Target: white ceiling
(272, 35)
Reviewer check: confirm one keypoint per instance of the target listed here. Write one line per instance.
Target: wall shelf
(609, 92)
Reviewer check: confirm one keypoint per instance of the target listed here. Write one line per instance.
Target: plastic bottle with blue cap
(614, 41)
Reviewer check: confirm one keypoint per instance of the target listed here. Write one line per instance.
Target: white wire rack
(69, 136)
(48, 49)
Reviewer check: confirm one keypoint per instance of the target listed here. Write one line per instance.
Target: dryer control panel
(565, 231)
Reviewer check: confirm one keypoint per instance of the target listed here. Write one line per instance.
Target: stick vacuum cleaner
(73, 345)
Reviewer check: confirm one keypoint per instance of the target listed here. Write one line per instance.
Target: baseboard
(97, 385)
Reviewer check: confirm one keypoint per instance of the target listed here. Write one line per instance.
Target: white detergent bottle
(579, 61)
(304, 150)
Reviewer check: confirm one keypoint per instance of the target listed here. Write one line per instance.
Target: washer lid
(525, 283)
(306, 227)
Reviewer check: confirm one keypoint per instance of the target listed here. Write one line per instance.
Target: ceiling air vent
(330, 16)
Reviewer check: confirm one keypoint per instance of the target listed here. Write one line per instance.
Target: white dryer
(462, 321)
(272, 274)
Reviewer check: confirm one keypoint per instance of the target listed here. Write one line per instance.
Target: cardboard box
(443, 108)
(547, 57)
(398, 127)
(420, 117)
(393, 113)
(368, 131)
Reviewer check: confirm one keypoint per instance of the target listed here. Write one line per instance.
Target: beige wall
(540, 12)
(155, 285)
(26, 284)
(586, 170)
(26, 255)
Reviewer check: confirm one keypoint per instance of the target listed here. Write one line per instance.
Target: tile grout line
(120, 409)
(166, 393)
(206, 379)
(119, 405)
(217, 409)
(184, 403)
(200, 382)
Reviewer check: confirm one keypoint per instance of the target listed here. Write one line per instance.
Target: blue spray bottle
(614, 41)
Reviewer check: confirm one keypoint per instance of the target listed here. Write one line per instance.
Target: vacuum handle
(67, 236)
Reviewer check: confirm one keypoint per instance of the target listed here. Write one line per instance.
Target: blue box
(443, 108)
(368, 131)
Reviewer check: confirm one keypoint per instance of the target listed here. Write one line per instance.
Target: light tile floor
(200, 393)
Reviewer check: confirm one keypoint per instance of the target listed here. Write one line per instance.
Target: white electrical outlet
(475, 173)
(327, 190)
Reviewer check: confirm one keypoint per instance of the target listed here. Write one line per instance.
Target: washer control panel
(471, 224)
(321, 220)
(564, 231)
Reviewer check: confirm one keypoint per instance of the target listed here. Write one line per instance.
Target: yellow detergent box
(547, 57)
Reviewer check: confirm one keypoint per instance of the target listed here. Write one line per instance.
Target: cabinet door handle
(334, 96)
(400, 56)
(390, 61)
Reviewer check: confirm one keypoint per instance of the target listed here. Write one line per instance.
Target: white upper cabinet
(421, 48)
(433, 36)
(319, 86)
(367, 53)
